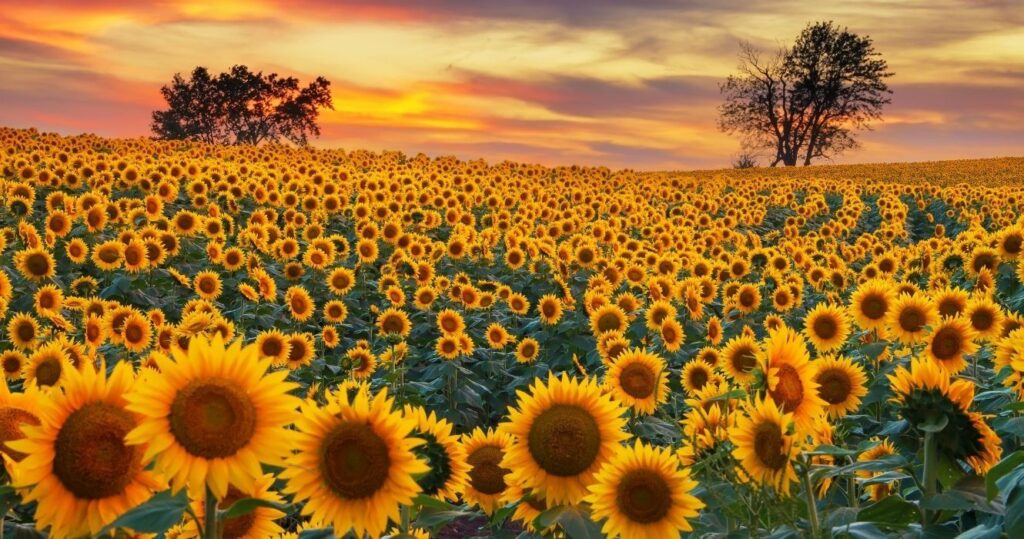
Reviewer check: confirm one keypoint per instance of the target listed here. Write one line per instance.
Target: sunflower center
(48, 371)
(643, 496)
(1012, 244)
(638, 381)
(212, 418)
(982, 319)
(393, 324)
(37, 264)
(825, 327)
(354, 462)
(912, 320)
(833, 386)
(768, 445)
(789, 390)
(949, 307)
(874, 306)
(744, 359)
(698, 378)
(11, 421)
(25, 332)
(90, 458)
(946, 344)
(747, 298)
(236, 527)
(12, 364)
(564, 440)
(133, 333)
(487, 476)
(609, 322)
(271, 347)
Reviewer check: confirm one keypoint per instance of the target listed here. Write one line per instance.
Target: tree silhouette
(806, 102)
(241, 107)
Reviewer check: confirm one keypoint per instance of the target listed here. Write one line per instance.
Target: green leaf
(156, 515)
(982, 532)
(890, 511)
(1003, 467)
(248, 505)
(317, 534)
(576, 523)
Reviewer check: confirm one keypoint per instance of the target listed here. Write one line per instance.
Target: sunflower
(910, 316)
(207, 285)
(48, 300)
(362, 362)
(672, 334)
(136, 332)
(714, 331)
(341, 281)
(13, 363)
(497, 336)
(841, 384)
(703, 430)
(564, 430)
(884, 448)
(871, 302)
(951, 301)
(550, 309)
(272, 344)
(83, 474)
(35, 264)
(355, 464)
(986, 317)
(527, 350)
(609, 317)
(925, 392)
(642, 492)
(638, 379)
(23, 330)
(212, 414)
(17, 410)
(764, 444)
(256, 524)
(300, 303)
(108, 255)
(450, 322)
(740, 358)
(827, 326)
(47, 366)
(748, 298)
(335, 311)
(658, 312)
(448, 346)
(695, 375)
(442, 452)
(949, 342)
(485, 452)
(529, 506)
(394, 321)
(790, 377)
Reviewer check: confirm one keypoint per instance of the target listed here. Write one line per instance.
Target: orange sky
(623, 84)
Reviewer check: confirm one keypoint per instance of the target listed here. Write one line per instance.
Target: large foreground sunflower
(564, 430)
(82, 473)
(487, 484)
(642, 493)
(213, 414)
(355, 465)
(764, 445)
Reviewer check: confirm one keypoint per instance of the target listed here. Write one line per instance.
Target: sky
(625, 84)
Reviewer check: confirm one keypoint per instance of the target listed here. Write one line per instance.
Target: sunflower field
(222, 342)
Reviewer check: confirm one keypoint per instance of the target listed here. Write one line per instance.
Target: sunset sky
(600, 82)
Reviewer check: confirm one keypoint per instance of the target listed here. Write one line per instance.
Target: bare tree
(745, 160)
(805, 102)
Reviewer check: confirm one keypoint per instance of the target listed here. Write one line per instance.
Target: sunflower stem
(812, 505)
(211, 528)
(930, 471)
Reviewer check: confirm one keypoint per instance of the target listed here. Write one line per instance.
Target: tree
(241, 107)
(745, 160)
(807, 101)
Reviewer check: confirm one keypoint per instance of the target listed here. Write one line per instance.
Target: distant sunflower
(273, 345)
(527, 350)
(643, 493)
(207, 285)
(83, 474)
(871, 302)
(877, 491)
(35, 264)
(23, 330)
(951, 302)
(739, 358)
(841, 384)
(48, 300)
(658, 312)
(764, 445)
(672, 335)
(827, 326)
(300, 303)
(447, 346)
(450, 322)
(550, 309)
(362, 362)
(341, 281)
(910, 316)
(497, 336)
(748, 298)
(789, 375)
(695, 375)
(394, 321)
(564, 430)
(485, 451)
(986, 318)
(608, 317)
(48, 366)
(949, 342)
(638, 379)
(13, 363)
(355, 464)
(212, 414)
(255, 524)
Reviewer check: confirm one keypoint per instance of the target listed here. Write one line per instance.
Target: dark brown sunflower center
(12, 364)
(982, 319)
(564, 440)
(212, 418)
(747, 298)
(11, 421)
(208, 286)
(236, 527)
(669, 334)
(354, 460)
(825, 327)
(25, 331)
(48, 371)
(874, 307)
(609, 322)
(984, 261)
(393, 324)
(1013, 243)
(833, 386)
(947, 343)
(548, 309)
(912, 320)
(271, 347)
(768, 445)
(486, 474)
(643, 496)
(744, 359)
(90, 458)
(950, 307)
(133, 333)
(37, 264)
(789, 390)
(638, 381)
(698, 378)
